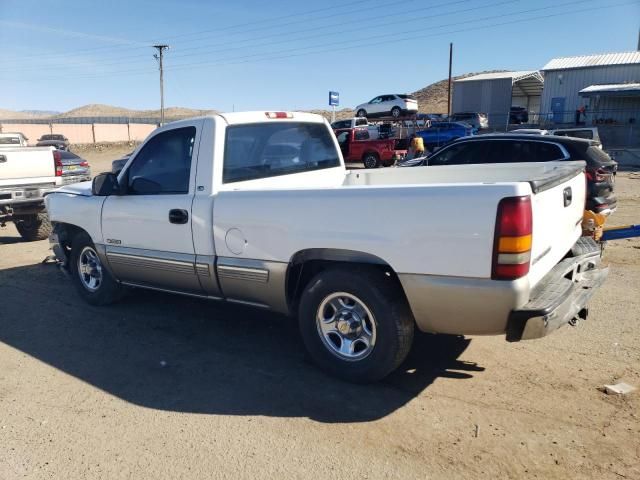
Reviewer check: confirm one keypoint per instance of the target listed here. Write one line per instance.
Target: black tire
(394, 324)
(361, 113)
(396, 112)
(108, 290)
(371, 160)
(388, 163)
(33, 227)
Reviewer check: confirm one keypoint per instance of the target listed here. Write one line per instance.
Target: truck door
(343, 141)
(147, 230)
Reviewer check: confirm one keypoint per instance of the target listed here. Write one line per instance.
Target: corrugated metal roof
(583, 61)
(612, 90)
(612, 87)
(515, 76)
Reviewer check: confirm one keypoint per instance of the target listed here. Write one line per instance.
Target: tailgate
(22, 166)
(558, 205)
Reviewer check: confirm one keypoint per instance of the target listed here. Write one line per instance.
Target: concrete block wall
(75, 132)
(83, 132)
(116, 132)
(30, 130)
(139, 131)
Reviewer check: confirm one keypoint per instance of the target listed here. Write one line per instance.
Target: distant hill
(99, 110)
(431, 99)
(40, 113)
(11, 115)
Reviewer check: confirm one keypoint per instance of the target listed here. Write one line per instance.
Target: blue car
(442, 133)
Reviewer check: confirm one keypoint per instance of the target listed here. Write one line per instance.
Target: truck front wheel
(92, 280)
(35, 226)
(370, 160)
(355, 324)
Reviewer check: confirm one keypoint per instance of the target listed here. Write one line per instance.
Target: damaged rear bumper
(562, 296)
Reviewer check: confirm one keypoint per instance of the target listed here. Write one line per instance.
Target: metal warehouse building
(495, 94)
(608, 85)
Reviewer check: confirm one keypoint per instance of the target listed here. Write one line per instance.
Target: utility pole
(449, 89)
(159, 56)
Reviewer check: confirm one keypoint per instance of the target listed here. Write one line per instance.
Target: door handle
(568, 196)
(178, 216)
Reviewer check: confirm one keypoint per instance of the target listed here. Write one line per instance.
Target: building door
(557, 108)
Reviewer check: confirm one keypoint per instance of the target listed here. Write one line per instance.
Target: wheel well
(370, 152)
(307, 264)
(66, 233)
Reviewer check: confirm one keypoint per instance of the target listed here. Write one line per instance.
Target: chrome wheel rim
(395, 113)
(346, 326)
(90, 269)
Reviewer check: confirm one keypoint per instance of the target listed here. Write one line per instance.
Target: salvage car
(356, 145)
(54, 140)
(394, 105)
(206, 208)
(513, 148)
(443, 133)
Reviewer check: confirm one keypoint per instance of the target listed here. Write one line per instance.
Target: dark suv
(511, 148)
(518, 115)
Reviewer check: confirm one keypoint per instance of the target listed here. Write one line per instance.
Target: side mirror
(105, 184)
(118, 165)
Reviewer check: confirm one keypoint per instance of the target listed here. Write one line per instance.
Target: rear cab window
(263, 150)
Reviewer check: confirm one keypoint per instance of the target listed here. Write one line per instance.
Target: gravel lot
(164, 386)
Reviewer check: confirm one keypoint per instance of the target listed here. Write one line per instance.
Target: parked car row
(18, 139)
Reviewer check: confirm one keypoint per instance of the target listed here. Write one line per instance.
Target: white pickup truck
(257, 208)
(26, 174)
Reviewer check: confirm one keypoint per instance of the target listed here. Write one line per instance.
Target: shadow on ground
(175, 353)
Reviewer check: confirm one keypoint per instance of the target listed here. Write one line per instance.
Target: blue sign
(334, 99)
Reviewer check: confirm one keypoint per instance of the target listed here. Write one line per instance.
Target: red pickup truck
(356, 146)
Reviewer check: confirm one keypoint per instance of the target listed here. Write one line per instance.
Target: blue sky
(282, 54)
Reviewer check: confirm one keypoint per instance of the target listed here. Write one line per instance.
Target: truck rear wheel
(370, 160)
(355, 324)
(35, 226)
(92, 280)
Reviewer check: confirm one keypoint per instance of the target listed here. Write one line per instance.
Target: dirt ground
(164, 386)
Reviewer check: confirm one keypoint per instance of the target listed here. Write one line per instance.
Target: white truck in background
(26, 174)
(257, 208)
(12, 140)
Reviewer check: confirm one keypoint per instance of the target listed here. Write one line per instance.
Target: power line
(395, 39)
(229, 27)
(404, 20)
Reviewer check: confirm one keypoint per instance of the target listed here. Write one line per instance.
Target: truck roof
(234, 118)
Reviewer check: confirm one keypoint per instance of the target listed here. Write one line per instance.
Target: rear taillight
(84, 163)
(597, 175)
(513, 238)
(57, 163)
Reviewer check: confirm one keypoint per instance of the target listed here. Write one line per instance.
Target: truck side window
(163, 165)
(361, 134)
(262, 150)
(463, 153)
